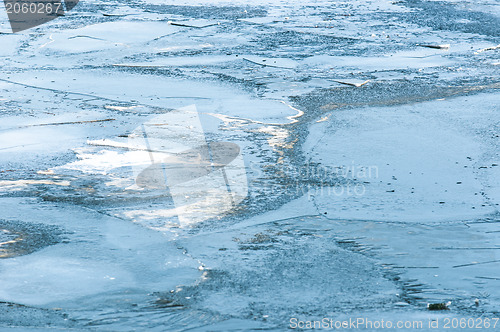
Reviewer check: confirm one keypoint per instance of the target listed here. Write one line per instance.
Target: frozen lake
(227, 165)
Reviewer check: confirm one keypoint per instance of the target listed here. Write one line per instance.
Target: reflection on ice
(205, 179)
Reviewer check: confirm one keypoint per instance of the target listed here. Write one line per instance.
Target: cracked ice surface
(370, 164)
